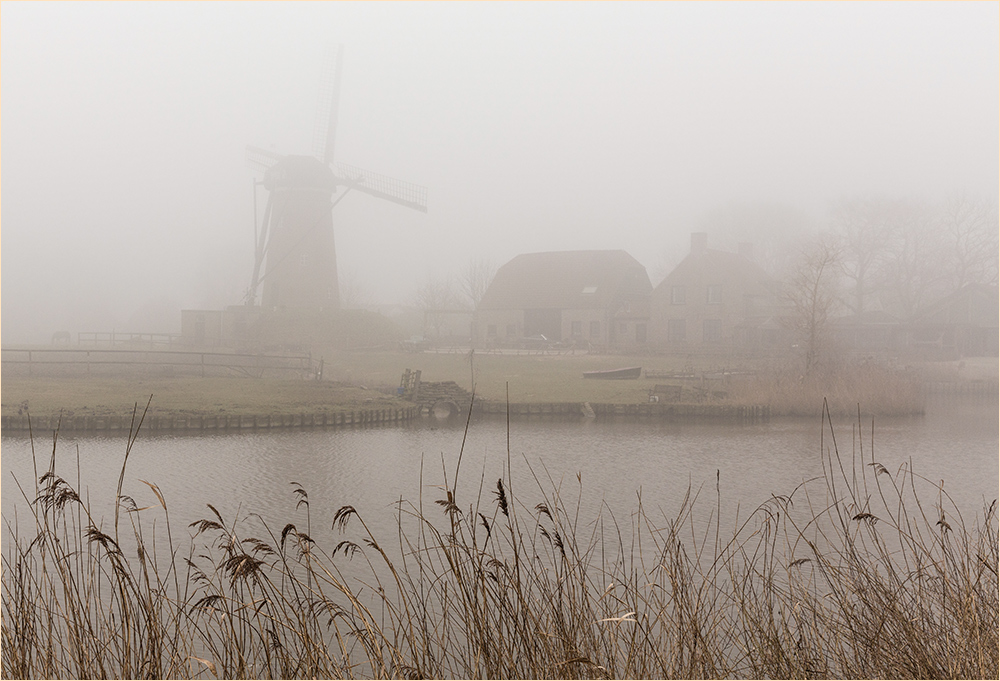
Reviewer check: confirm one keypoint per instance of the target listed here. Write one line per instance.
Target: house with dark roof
(593, 299)
(718, 300)
(962, 324)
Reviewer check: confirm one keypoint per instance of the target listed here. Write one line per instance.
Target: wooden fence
(112, 339)
(987, 388)
(48, 361)
(210, 423)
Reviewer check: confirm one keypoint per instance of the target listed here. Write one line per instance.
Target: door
(545, 322)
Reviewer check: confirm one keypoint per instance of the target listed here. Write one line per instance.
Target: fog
(534, 126)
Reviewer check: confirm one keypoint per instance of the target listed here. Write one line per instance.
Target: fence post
(203, 365)
(29, 362)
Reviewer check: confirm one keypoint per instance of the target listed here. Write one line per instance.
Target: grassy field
(116, 395)
(361, 380)
(530, 378)
(559, 378)
(355, 380)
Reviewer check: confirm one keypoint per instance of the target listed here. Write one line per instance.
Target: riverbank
(558, 378)
(170, 422)
(106, 402)
(360, 388)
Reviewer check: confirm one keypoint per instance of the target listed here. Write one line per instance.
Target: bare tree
(436, 298)
(911, 274)
(354, 294)
(811, 292)
(970, 226)
(940, 248)
(476, 278)
(909, 253)
(866, 228)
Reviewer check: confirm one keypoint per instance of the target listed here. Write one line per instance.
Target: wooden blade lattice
(381, 186)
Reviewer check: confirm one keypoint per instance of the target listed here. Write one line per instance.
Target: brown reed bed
(883, 391)
(863, 572)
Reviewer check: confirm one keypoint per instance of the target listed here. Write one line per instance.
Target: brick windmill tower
(295, 264)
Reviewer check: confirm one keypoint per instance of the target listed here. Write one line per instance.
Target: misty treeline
(871, 252)
(885, 255)
(901, 255)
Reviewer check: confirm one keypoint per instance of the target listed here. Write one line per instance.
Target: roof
(974, 304)
(707, 260)
(566, 279)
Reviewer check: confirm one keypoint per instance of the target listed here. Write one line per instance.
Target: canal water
(606, 464)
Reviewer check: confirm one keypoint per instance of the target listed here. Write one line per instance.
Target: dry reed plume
(864, 572)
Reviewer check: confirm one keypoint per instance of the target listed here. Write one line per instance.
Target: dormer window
(713, 294)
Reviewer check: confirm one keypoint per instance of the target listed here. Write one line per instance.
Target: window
(511, 330)
(587, 290)
(491, 330)
(623, 328)
(595, 329)
(677, 295)
(713, 330)
(303, 260)
(676, 330)
(713, 294)
(640, 333)
(577, 328)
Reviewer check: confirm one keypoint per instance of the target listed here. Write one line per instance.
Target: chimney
(745, 248)
(699, 242)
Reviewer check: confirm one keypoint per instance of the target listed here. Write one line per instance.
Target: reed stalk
(862, 572)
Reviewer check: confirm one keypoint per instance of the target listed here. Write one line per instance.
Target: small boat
(627, 373)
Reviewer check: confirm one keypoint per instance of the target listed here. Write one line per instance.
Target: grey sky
(535, 126)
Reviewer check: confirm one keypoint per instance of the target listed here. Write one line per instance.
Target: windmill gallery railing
(40, 361)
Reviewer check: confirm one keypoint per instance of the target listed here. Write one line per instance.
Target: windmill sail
(295, 257)
(261, 160)
(329, 110)
(382, 186)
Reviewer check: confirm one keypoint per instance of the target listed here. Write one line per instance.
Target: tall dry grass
(788, 392)
(863, 572)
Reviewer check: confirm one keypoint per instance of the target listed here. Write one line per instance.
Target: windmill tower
(295, 264)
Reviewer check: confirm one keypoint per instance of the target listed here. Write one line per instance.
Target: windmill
(295, 261)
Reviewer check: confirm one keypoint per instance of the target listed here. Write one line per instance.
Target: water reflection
(372, 468)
